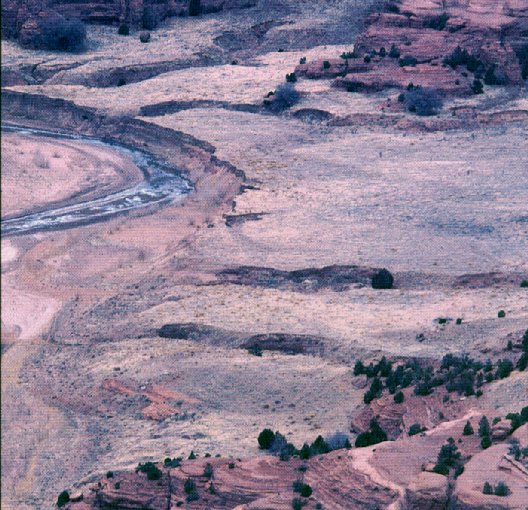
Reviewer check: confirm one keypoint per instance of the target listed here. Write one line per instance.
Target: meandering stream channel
(160, 186)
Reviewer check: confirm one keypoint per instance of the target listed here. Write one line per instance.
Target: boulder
(501, 430)
(427, 492)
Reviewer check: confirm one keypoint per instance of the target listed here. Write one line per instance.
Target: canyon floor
(88, 384)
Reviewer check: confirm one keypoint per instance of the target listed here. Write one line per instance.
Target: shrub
(394, 52)
(522, 363)
(485, 442)
(123, 29)
(524, 284)
(458, 321)
(189, 486)
(487, 489)
(373, 436)
(437, 22)
(57, 33)
(346, 55)
(459, 57)
(193, 496)
(192, 455)
(326, 64)
(501, 489)
(359, 368)
(416, 428)
(109, 474)
(306, 491)
(401, 98)
(298, 503)
(383, 279)
(468, 429)
(150, 20)
(144, 36)
(231, 465)
(151, 470)
(284, 97)
(399, 397)
(256, 350)
(501, 314)
(504, 368)
(382, 52)
(522, 55)
(208, 471)
(195, 8)
(408, 60)
(477, 87)
(422, 101)
(492, 77)
(291, 78)
(302, 60)
(366, 59)
(64, 497)
(265, 439)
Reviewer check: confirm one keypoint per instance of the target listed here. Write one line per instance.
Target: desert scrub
(151, 470)
(291, 78)
(408, 60)
(326, 64)
(64, 497)
(283, 98)
(123, 29)
(423, 101)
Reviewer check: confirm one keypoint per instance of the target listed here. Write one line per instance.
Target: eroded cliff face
(17, 13)
(410, 41)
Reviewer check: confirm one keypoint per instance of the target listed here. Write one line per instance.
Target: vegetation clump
(408, 60)
(423, 101)
(383, 279)
(64, 497)
(448, 457)
(461, 57)
(151, 470)
(284, 97)
(123, 29)
(372, 436)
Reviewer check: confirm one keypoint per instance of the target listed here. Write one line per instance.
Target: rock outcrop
(17, 13)
(413, 43)
(427, 492)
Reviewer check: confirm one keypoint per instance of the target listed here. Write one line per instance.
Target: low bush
(123, 29)
(346, 55)
(372, 436)
(408, 60)
(383, 279)
(501, 314)
(437, 22)
(394, 52)
(468, 429)
(284, 97)
(298, 503)
(64, 497)
(487, 489)
(501, 489)
(399, 397)
(189, 486)
(291, 78)
(265, 439)
(151, 470)
(416, 428)
(461, 57)
(423, 101)
(326, 64)
(144, 36)
(302, 60)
